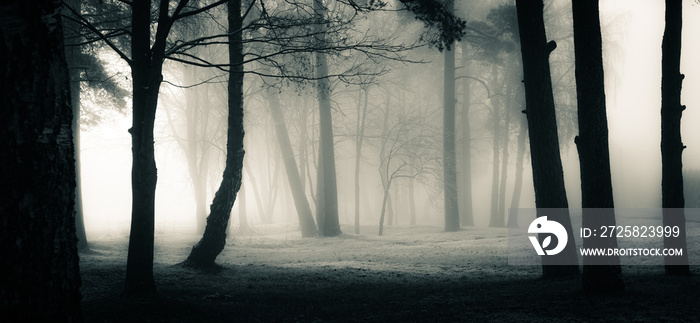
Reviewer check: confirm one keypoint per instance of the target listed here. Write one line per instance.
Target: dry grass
(410, 274)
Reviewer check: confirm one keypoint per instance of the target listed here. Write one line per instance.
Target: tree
(601, 275)
(39, 279)
(204, 253)
(449, 155)
(360, 134)
(547, 173)
(672, 147)
(306, 220)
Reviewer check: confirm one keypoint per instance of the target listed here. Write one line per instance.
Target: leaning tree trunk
(204, 253)
(547, 173)
(672, 147)
(39, 279)
(306, 220)
(449, 155)
(600, 274)
(329, 211)
(466, 207)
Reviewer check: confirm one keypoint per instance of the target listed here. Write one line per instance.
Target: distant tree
(39, 279)
(449, 157)
(306, 220)
(600, 274)
(360, 134)
(672, 147)
(547, 173)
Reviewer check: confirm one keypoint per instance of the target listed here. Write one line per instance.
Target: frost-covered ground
(409, 274)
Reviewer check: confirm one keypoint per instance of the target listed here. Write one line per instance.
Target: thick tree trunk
(146, 70)
(385, 199)
(465, 203)
(449, 156)
(204, 253)
(672, 147)
(306, 220)
(73, 56)
(360, 130)
(331, 222)
(39, 276)
(600, 274)
(547, 173)
(517, 188)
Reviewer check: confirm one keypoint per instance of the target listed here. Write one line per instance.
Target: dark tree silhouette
(547, 173)
(39, 276)
(672, 147)
(449, 156)
(204, 253)
(600, 274)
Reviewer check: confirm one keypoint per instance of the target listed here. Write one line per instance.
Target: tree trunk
(390, 211)
(496, 119)
(672, 147)
(146, 69)
(466, 207)
(73, 58)
(360, 129)
(192, 150)
(547, 173)
(204, 253)
(448, 138)
(306, 220)
(40, 280)
(243, 227)
(600, 274)
(505, 133)
(412, 200)
(384, 204)
(331, 222)
(517, 188)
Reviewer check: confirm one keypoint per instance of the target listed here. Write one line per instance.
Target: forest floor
(409, 274)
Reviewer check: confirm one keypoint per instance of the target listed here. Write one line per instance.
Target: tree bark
(306, 220)
(146, 68)
(600, 274)
(547, 173)
(331, 222)
(73, 60)
(672, 147)
(39, 275)
(448, 138)
(204, 253)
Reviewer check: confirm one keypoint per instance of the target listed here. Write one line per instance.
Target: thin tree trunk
(306, 220)
(547, 173)
(412, 200)
(327, 163)
(204, 253)
(256, 190)
(390, 211)
(192, 150)
(243, 227)
(496, 119)
(466, 207)
(384, 204)
(40, 279)
(448, 138)
(360, 129)
(517, 188)
(672, 147)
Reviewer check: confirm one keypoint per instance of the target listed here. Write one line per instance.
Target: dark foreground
(411, 274)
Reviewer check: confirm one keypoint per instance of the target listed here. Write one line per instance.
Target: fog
(632, 36)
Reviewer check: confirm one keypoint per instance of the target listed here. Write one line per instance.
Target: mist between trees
(357, 114)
